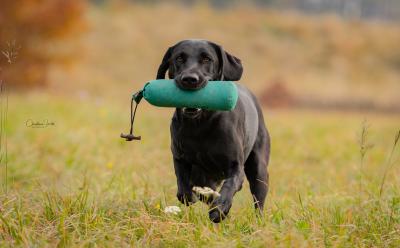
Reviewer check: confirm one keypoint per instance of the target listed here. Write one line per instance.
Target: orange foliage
(26, 27)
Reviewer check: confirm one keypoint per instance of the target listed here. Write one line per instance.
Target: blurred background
(323, 54)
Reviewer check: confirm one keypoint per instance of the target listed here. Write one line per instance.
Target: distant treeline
(355, 9)
(366, 9)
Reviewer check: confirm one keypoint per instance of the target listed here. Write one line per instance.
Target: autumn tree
(27, 30)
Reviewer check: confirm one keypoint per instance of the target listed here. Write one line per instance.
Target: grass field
(78, 184)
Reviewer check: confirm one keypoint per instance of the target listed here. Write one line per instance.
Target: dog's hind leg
(256, 171)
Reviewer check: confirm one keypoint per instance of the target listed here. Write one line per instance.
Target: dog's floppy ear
(163, 68)
(231, 68)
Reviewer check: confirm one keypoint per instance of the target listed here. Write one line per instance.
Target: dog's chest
(213, 156)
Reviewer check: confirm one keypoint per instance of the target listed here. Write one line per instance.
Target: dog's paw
(219, 209)
(186, 198)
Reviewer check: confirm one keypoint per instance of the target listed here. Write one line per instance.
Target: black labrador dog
(214, 147)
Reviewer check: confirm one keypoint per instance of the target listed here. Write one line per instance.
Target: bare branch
(11, 51)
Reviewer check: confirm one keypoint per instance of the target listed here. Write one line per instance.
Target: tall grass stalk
(10, 54)
(364, 147)
(389, 163)
(3, 132)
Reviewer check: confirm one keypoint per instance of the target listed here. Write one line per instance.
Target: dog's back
(250, 118)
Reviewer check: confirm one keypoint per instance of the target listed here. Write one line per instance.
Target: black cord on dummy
(136, 97)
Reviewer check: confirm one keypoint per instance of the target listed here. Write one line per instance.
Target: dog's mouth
(191, 112)
(191, 87)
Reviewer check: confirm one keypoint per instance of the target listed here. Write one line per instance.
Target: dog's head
(194, 62)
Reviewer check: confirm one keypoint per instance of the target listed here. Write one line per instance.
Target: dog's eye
(205, 60)
(179, 59)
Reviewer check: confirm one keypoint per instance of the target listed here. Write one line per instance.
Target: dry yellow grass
(78, 184)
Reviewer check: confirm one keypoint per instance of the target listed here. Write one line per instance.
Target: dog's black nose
(190, 79)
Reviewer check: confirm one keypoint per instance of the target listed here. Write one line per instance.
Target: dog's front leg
(220, 207)
(183, 173)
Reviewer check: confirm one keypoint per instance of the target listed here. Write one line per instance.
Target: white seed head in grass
(172, 210)
(206, 191)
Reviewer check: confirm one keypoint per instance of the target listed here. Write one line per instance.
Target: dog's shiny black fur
(214, 147)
